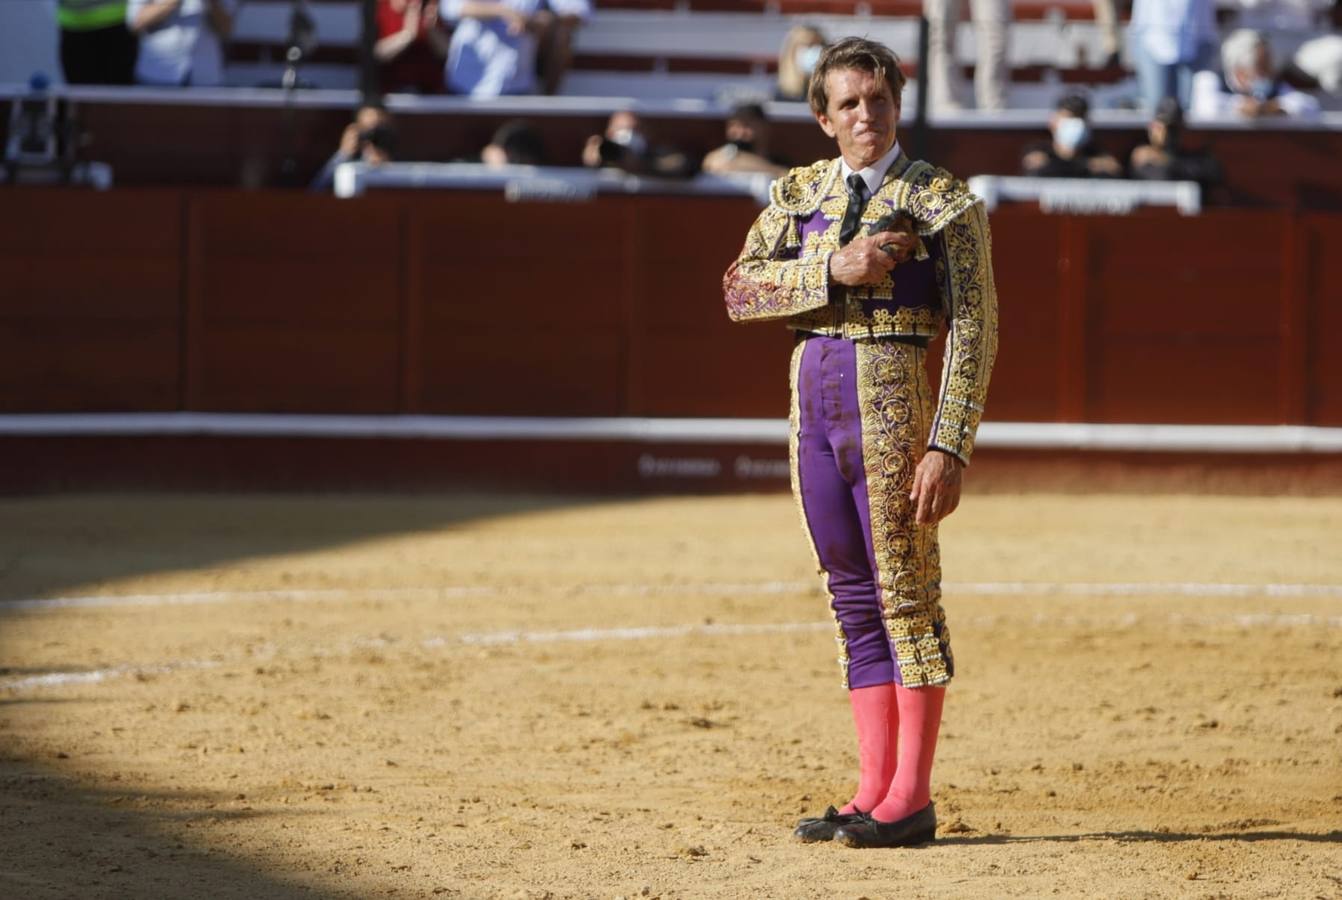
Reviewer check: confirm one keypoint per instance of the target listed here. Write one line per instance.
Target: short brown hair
(854, 53)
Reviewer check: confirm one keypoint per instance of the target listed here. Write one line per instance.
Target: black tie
(852, 216)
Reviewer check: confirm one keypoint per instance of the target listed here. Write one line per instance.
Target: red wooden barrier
(459, 302)
(90, 300)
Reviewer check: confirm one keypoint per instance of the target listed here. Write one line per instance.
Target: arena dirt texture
(513, 697)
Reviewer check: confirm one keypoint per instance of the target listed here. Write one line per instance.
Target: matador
(867, 257)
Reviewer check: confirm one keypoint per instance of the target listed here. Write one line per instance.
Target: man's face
(622, 123)
(861, 115)
(369, 117)
(745, 130)
(1243, 77)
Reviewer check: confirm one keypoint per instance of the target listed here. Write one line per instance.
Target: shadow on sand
(118, 845)
(66, 838)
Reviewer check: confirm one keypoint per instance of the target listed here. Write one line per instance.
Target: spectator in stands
(411, 46)
(1170, 41)
(501, 46)
(1249, 86)
(990, 18)
(370, 138)
(1106, 20)
(1071, 153)
(796, 61)
(171, 33)
(516, 143)
(747, 147)
(1317, 64)
(207, 64)
(1164, 158)
(96, 46)
(625, 145)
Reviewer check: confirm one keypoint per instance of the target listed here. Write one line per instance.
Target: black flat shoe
(910, 831)
(822, 829)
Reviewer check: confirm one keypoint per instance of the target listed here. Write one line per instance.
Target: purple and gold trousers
(861, 411)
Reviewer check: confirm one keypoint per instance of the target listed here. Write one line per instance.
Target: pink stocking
(877, 720)
(919, 716)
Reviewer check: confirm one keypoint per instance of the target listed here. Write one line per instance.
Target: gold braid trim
(971, 343)
(895, 405)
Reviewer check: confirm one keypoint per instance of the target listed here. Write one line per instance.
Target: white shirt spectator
(1249, 87)
(1321, 59)
(207, 65)
(1172, 31)
(484, 60)
(167, 48)
(1212, 100)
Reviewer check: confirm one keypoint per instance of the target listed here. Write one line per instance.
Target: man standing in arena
(865, 257)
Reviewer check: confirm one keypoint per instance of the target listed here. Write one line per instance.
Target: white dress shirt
(873, 174)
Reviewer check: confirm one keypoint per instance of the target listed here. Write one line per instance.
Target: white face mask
(1071, 132)
(631, 140)
(807, 57)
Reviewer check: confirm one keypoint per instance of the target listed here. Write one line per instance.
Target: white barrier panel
(540, 183)
(1104, 196)
(1012, 435)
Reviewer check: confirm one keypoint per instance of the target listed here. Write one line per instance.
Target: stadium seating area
(711, 49)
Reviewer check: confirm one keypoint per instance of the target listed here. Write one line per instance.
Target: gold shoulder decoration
(800, 191)
(932, 196)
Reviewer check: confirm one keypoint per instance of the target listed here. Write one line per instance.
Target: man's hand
(151, 15)
(410, 24)
(1104, 165)
(936, 487)
(350, 142)
(1253, 108)
(864, 262)
(515, 21)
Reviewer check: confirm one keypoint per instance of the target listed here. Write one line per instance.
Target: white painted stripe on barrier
(716, 589)
(1015, 435)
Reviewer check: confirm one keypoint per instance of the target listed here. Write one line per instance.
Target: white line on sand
(596, 635)
(94, 676)
(726, 589)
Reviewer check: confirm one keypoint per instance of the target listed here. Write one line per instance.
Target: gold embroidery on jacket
(971, 341)
(776, 277)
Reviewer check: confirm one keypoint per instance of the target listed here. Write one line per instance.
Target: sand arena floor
(469, 696)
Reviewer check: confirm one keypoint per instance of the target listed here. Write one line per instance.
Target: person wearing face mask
(1165, 158)
(747, 147)
(1071, 153)
(796, 61)
(624, 145)
(1249, 87)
